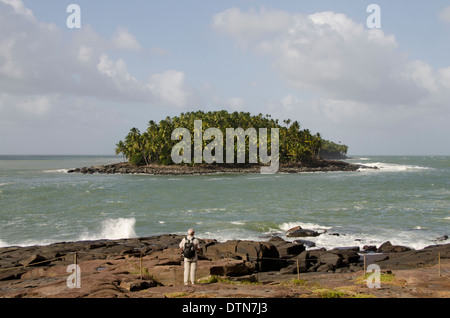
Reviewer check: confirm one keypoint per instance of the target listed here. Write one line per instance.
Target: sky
(68, 90)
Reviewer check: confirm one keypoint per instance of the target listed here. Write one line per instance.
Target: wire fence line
(73, 277)
(293, 260)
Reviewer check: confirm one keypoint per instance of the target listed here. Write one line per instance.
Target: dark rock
(11, 274)
(275, 239)
(354, 268)
(245, 278)
(346, 248)
(233, 269)
(305, 260)
(137, 284)
(381, 258)
(292, 269)
(342, 270)
(369, 248)
(295, 228)
(302, 233)
(126, 168)
(287, 249)
(348, 255)
(325, 268)
(442, 238)
(216, 251)
(34, 259)
(314, 267)
(387, 247)
(305, 243)
(265, 254)
(332, 259)
(416, 258)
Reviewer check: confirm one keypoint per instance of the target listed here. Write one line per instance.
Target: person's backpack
(189, 248)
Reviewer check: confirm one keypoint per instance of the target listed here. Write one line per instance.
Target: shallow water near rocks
(406, 201)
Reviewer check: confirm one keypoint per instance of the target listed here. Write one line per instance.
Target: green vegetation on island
(155, 145)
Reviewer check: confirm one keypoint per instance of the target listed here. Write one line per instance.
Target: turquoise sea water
(407, 202)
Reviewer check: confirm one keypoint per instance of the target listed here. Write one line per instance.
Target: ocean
(406, 201)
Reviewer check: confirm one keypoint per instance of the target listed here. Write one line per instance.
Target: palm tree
(120, 148)
(155, 145)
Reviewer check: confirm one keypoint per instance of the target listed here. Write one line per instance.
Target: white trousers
(190, 269)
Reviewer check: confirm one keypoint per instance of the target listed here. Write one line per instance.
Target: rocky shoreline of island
(319, 165)
(119, 268)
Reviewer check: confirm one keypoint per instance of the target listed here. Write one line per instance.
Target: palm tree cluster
(155, 145)
(333, 150)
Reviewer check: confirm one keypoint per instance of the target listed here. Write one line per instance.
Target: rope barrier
(249, 258)
(33, 264)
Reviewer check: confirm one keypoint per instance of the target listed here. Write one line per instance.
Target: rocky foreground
(126, 168)
(152, 267)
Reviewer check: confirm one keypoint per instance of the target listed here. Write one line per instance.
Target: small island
(151, 152)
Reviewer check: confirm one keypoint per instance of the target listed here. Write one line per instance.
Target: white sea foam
(27, 243)
(115, 202)
(57, 170)
(410, 238)
(391, 167)
(404, 238)
(113, 229)
(309, 226)
(218, 179)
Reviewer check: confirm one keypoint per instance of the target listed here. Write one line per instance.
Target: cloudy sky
(79, 91)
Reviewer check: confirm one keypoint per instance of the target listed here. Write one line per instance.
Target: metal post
(439, 262)
(364, 264)
(75, 260)
(140, 269)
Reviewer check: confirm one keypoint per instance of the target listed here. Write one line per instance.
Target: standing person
(189, 246)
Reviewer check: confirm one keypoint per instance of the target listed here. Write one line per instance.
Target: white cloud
(116, 70)
(444, 15)
(159, 51)
(36, 105)
(8, 65)
(251, 25)
(123, 39)
(330, 54)
(356, 85)
(422, 74)
(19, 8)
(339, 111)
(29, 106)
(444, 77)
(85, 54)
(170, 88)
(37, 58)
(236, 103)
